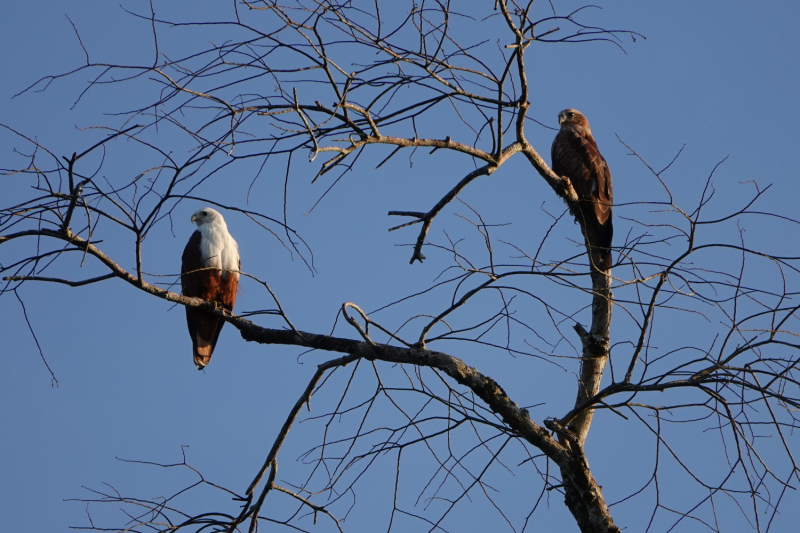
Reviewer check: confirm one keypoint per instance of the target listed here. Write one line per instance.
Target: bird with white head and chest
(575, 155)
(209, 270)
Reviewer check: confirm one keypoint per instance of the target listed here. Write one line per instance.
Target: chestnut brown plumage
(575, 155)
(209, 270)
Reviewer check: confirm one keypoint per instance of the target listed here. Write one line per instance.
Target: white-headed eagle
(209, 270)
(576, 156)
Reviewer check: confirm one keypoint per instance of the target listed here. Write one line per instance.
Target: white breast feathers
(218, 248)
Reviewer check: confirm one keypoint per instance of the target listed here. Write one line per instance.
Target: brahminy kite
(209, 270)
(575, 155)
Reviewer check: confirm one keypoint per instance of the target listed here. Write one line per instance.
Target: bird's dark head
(572, 117)
(206, 215)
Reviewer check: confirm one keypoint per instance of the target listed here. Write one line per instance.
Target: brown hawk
(575, 155)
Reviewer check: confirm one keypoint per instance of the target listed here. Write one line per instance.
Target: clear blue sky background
(721, 78)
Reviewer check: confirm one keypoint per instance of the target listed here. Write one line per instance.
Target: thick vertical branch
(596, 341)
(595, 350)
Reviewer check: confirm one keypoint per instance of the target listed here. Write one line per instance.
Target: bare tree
(338, 81)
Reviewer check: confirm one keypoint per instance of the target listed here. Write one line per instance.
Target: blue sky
(719, 79)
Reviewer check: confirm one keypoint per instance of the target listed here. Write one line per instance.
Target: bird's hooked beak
(561, 118)
(194, 218)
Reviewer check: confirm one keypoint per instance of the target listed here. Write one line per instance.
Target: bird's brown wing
(603, 196)
(228, 287)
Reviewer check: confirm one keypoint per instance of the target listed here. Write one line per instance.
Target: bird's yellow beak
(194, 217)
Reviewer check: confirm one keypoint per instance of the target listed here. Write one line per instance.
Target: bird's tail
(603, 239)
(202, 356)
(204, 330)
(204, 337)
(598, 238)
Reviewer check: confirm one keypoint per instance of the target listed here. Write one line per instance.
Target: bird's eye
(205, 213)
